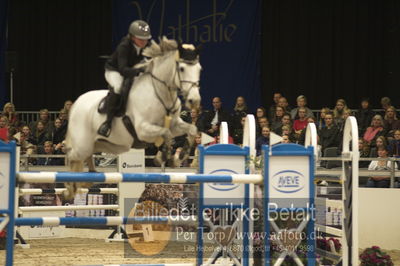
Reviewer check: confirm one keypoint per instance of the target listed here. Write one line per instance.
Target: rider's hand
(140, 70)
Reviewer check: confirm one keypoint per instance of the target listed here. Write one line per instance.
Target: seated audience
(339, 112)
(276, 120)
(394, 146)
(365, 150)
(329, 135)
(238, 132)
(285, 105)
(262, 140)
(321, 121)
(300, 123)
(44, 118)
(364, 116)
(9, 112)
(380, 181)
(3, 128)
(261, 122)
(301, 103)
(40, 135)
(260, 112)
(239, 111)
(214, 117)
(286, 121)
(276, 97)
(391, 123)
(375, 130)
(48, 150)
(57, 135)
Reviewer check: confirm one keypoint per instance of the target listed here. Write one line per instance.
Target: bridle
(193, 84)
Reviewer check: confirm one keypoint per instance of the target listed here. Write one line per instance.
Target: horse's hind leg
(91, 166)
(90, 163)
(75, 166)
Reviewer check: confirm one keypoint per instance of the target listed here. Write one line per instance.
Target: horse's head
(187, 76)
(176, 66)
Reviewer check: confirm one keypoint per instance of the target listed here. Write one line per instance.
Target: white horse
(173, 69)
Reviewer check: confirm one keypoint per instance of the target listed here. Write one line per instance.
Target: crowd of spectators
(42, 136)
(379, 131)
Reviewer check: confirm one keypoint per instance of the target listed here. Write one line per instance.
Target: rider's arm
(123, 67)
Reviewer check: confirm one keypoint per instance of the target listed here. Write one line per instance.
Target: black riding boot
(113, 105)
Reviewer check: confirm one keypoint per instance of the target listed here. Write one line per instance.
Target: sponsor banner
(289, 178)
(224, 165)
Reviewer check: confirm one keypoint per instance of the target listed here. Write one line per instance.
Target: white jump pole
(224, 133)
(350, 193)
(312, 138)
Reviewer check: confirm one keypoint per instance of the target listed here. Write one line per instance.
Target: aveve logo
(288, 181)
(223, 186)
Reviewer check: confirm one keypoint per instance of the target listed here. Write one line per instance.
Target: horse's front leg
(180, 127)
(149, 133)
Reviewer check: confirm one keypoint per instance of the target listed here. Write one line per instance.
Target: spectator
(385, 103)
(301, 103)
(58, 133)
(285, 139)
(364, 116)
(195, 119)
(262, 122)
(381, 143)
(300, 123)
(329, 135)
(365, 150)
(3, 128)
(194, 151)
(9, 112)
(48, 150)
(213, 118)
(67, 106)
(375, 130)
(285, 105)
(276, 120)
(238, 132)
(286, 121)
(321, 122)
(239, 111)
(260, 112)
(380, 181)
(391, 123)
(40, 135)
(302, 135)
(276, 97)
(341, 122)
(338, 112)
(394, 146)
(287, 130)
(44, 118)
(262, 140)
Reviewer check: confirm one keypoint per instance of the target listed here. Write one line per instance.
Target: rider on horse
(119, 72)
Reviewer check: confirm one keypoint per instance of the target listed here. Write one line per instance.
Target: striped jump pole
(39, 191)
(182, 178)
(112, 220)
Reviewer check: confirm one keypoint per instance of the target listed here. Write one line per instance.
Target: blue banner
(3, 45)
(228, 29)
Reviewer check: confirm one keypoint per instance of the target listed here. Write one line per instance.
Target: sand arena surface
(81, 251)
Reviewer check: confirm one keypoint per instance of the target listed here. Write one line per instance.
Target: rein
(181, 82)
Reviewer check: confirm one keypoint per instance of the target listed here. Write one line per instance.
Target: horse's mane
(160, 49)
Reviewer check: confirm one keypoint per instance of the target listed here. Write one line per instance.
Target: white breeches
(114, 79)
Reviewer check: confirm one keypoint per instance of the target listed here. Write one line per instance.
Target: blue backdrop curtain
(3, 44)
(228, 29)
